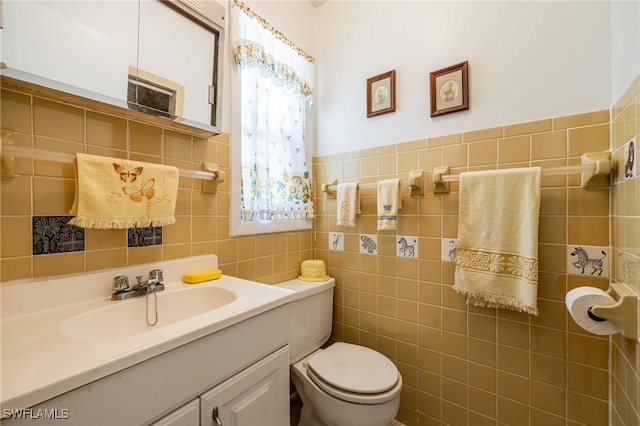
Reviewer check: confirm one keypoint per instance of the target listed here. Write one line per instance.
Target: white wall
(625, 18)
(527, 61)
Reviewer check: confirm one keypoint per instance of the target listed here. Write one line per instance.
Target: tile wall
(460, 365)
(466, 365)
(35, 204)
(625, 242)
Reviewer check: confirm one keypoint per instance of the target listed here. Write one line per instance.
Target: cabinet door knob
(215, 416)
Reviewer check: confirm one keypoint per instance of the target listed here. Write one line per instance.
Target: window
(272, 97)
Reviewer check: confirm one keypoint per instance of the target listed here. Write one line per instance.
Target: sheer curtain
(275, 91)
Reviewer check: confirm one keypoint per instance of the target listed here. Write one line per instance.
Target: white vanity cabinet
(187, 415)
(252, 397)
(241, 369)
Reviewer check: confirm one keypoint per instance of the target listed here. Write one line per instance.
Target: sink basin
(129, 317)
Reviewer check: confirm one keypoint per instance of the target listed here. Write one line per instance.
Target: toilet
(342, 384)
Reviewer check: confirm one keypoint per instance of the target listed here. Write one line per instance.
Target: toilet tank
(310, 316)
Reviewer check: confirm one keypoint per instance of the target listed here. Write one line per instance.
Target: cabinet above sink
(162, 58)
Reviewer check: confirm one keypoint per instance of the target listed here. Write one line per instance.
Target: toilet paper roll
(578, 302)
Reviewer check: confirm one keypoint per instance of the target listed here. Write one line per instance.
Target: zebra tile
(407, 246)
(588, 260)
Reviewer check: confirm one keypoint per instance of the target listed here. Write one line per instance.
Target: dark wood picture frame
(450, 89)
(381, 94)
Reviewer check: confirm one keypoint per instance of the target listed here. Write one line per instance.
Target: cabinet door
(257, 396)
(187, 415)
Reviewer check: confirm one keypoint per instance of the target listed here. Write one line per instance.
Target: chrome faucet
(121, 289)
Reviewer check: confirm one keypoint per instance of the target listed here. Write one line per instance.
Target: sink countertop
(38, 362)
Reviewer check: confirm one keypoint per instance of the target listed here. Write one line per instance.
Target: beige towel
(497, 255)
(388, 204)
(348, 199)
(117, 193)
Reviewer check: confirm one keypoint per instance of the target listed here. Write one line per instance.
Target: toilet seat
(354, 373)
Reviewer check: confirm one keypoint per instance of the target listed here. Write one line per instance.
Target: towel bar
(416, 182)
(595, 170)
(211, 175)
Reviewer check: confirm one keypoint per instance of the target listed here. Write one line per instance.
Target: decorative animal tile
(54, 234)
(369, 243)
(630, 163)
(588, 260)
(144, 237)
(407, 246)
(336, 241)
(449, 247)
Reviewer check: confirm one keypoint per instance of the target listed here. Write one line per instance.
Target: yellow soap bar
(202, 276)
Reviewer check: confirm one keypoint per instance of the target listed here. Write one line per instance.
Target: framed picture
(450, 89)
(381, 94)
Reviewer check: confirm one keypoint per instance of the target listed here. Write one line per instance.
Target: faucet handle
(156, 275)
(120, 283)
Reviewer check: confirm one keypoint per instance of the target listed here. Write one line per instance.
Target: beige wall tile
(514, 149)
(588, 139)
(482, 153)
(145, 139)
(16, 111)
(549, 145)
(444, 140)
(15, 236)
(58, 264)
(579, 120)
(104, 259)
(106, 130)
(15, 196)
(15, 268)
(55, 168)
(48, 116)
(178, 145)
(529, 127)
(105, 239)
(52, 196)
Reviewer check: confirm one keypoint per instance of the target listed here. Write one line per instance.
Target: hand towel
(348, 201)
(117, 193)
(388, 204)
(497, 255)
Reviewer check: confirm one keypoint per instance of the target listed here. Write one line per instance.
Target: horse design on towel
(596, 264)
(407, 250)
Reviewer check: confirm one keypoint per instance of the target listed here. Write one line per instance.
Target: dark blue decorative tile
(143, 237)
(54, 234)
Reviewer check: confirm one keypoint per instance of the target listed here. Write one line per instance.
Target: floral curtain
(275, 81)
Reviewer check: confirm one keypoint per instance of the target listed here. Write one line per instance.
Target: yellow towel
(388, 204)
(348, 201)
(497, 255)
(117, 193)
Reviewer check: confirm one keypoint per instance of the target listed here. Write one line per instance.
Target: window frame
(237, 227)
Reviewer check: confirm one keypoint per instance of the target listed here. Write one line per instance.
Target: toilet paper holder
(623, 313)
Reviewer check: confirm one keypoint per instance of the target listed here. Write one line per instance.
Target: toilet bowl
(342, 384)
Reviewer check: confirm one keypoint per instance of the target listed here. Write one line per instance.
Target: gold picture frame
(381, 94)
(450, 89)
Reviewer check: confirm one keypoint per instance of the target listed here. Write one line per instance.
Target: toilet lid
(354, 368)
